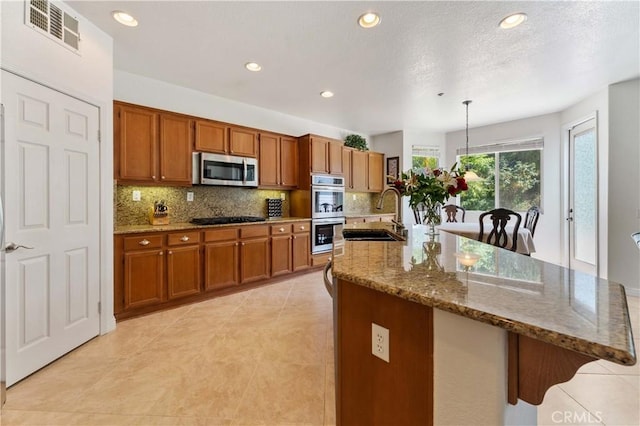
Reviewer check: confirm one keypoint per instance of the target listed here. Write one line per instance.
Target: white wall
(624, 184)
(146, 91)
(87, 76)
(548, 239)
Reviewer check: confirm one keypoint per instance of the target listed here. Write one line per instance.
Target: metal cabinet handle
(184, 238)
(294, 237)
(302, 228)
(11, 247)
(327, 283)
(281, 229)
(144, 242)
(153, 177)
(170, 252)
(161, 253)
(162, 177)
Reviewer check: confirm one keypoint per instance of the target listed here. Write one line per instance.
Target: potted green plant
(356, 141)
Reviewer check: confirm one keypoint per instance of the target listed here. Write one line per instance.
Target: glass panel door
(583, 198)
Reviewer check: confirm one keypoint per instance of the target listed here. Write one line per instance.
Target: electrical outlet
(354, 197)
(282, 196)
(136, 196)
(380, 342)
(189, 196)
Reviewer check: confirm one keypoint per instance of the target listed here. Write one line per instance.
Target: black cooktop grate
(221, 220)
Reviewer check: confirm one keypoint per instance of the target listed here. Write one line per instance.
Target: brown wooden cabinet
(376, 171)
(211, 136)
(243, 142)
(221, 258)
(278, 161)
(254, 253)
(151, 147)
(360, 171)
(143, 271)
(301, 246)
(319, 155)
(183, 264)
(281, 249)
(346, 167)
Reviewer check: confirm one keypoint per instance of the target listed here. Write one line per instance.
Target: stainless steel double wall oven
(327, 210)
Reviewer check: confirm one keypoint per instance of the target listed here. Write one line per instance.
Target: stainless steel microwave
(225, 170)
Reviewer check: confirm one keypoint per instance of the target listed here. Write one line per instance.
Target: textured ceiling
(386, 78)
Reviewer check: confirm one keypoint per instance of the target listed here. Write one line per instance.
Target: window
(425, 156)
(511, 176)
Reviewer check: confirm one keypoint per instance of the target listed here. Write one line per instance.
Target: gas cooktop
(222, 220)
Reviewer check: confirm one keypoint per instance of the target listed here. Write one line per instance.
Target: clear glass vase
(428, 214)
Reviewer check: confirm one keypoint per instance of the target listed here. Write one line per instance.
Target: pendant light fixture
(469, 175)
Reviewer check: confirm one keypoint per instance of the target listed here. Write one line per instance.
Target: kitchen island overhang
(544, 321)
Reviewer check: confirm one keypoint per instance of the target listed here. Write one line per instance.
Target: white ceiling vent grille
(50, 20)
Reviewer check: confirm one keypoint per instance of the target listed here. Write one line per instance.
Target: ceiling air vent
(52, 21)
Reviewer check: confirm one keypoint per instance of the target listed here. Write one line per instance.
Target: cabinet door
(346, 168)
(376, 177)
(176, 139)
(289, 162)
(268, 160)
(183, 271)
(136, 144)
(254, 260)
(221, 265)
(280, 255)
(359, 171)
(335, 157)
(211, 136)
(319, 153)
(143, 278)
(243, 142)
(301, 247)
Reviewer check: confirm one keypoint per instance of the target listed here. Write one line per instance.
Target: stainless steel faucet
(398, 219)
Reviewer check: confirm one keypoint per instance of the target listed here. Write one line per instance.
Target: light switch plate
(282, 196)
(189, 196)
(136, 196)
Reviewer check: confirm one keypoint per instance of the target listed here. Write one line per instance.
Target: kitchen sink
(369, 235)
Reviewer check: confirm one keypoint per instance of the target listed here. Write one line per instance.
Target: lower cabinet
(154, 269)
(221, 258)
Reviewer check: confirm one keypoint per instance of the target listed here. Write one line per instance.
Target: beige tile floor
(261, 357)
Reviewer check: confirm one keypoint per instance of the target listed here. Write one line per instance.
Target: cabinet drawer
(141, 242)
(182, 238)
(301, 227)
(224, 234)
(281, 229)
(254, 231)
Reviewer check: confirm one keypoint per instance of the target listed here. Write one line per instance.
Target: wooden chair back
(452, 212)
(499, 235)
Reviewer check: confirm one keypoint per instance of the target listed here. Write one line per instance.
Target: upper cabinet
(151, 147)
(278, 161)
(319, 155)
(363, 170)
(211, 136)
(243, 142)
(220, 138)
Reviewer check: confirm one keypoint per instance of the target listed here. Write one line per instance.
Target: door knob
(11, 247)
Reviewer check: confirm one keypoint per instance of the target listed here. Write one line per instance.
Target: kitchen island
(477, 334)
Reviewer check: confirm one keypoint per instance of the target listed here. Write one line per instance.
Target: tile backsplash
(212, 201)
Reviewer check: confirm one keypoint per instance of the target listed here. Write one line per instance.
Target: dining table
(472, 230)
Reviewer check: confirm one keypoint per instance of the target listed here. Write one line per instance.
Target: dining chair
(531, 219)
(499, 235)
(452, 211)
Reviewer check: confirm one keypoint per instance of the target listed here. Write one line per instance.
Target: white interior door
(583, 197)
(51, 185)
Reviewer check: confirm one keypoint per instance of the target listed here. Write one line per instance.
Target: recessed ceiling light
(252, 66)
(513, 20)
(326, 94)
(124, 18)
(369, 20)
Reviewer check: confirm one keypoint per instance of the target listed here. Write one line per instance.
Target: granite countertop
(527, 296)
(135, 229)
